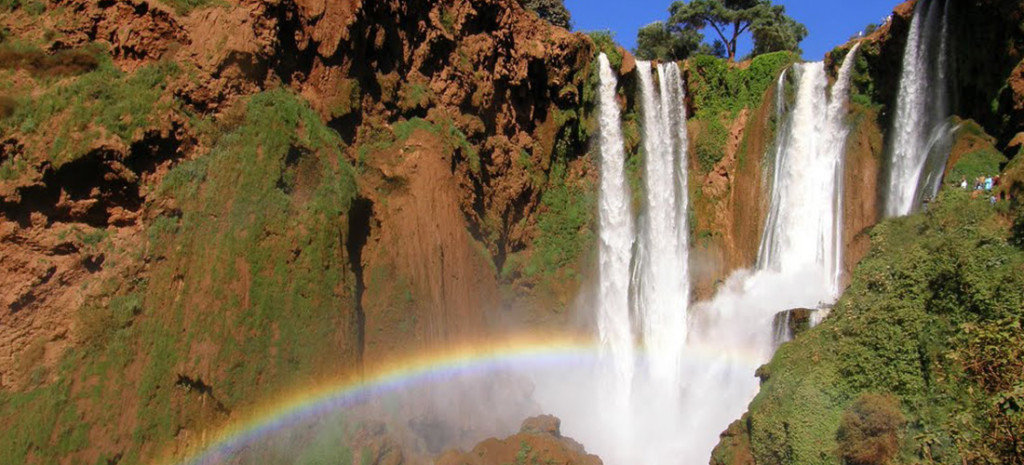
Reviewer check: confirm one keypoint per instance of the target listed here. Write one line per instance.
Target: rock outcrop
(539, 441)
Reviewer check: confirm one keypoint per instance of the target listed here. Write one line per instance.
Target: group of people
(984, 183)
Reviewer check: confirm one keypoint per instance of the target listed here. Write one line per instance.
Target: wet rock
(539, 441)
(788, 324)
(543, 424)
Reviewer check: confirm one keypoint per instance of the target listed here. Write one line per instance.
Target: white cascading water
(797, 267)
(805, 222)
(711, 354)
(777, 153)
(921, 144)
(837, 132)
(662, 278)
(616, 239)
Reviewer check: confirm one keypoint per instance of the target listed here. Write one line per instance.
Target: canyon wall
(206, 204)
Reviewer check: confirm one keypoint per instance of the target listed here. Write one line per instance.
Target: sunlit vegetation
(931, 324)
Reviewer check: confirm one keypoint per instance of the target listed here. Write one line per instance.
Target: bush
(721, 87)
(605, 42)
(552, 11)
(710, 144)
(869, 433)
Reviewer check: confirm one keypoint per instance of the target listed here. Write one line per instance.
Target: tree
(716, 49)
(775, 31)
(771, 28)
(552, 11)
(657, 41)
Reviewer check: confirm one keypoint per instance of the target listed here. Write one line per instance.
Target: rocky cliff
(205, 202)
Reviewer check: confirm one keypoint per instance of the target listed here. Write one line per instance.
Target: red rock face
(438, 216)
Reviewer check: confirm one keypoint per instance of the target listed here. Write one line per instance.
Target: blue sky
(829, 22)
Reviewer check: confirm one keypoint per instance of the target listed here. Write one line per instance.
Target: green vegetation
(104, 102)
(415, 95)
(771, 28)
(710, 145)
(523, 454)
(448, 20)
(869, 432)
(985, 161)
(33, 7)
(720, 90)
(552, 11)
(454, 140)
(282, 168)
(565, 222)
(928, 332)
(259, 246)
(45, 419)
(658, 41)
(21, 55)
(862, 85)
(605, 43)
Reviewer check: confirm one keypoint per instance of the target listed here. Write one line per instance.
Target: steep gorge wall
(206, 203)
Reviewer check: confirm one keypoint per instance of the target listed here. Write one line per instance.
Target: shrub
(710, 144)
(605, 42)
(869, 433)
(721, 87)
(552, 11)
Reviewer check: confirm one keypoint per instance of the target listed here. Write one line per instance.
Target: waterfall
(616, 237)
(801, 219)
(803, 232)
(778, 150)
(837, 132)
(921, 131)
(662, 280)
(695, 374)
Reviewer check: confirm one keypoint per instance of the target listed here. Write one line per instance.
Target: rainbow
(531, 351)
(433, 366)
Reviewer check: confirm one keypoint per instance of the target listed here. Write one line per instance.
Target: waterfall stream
(662, 279)
(921, 131)
(680, 373)
(616, 244)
